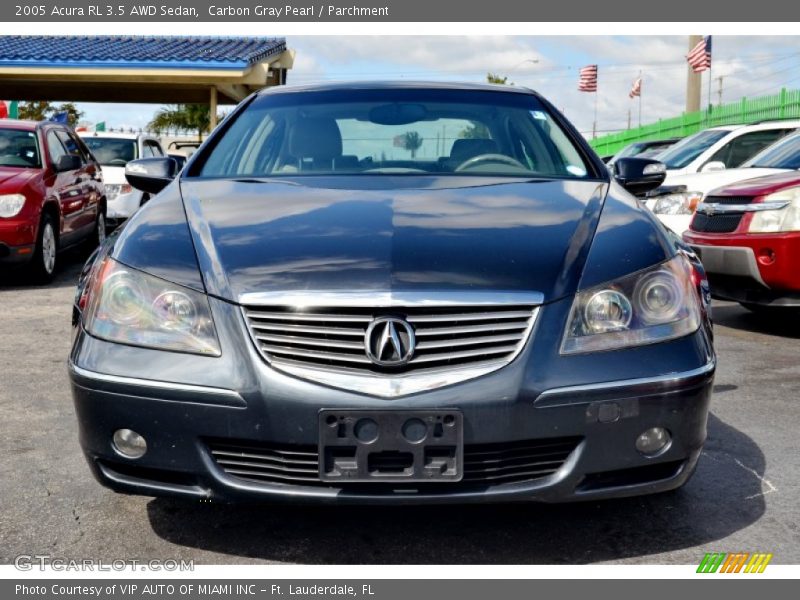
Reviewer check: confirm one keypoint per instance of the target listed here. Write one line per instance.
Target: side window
(70, 144)
(735, 152)
(154, 148)
(55, 147)
(147, 150)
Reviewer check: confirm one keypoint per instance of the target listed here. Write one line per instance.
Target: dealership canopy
(152, 69)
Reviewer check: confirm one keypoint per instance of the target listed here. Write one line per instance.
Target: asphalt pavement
(744, 496)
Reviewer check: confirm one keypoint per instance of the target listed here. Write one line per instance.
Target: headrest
(317, 138)
(464, 149)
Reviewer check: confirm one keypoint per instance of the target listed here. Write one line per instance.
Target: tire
(100, 230)
(45, 258)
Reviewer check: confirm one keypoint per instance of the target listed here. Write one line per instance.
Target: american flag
(700, 56)
(636, 89)
(588, 79)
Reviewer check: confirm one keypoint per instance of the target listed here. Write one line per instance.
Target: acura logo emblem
(389, 341)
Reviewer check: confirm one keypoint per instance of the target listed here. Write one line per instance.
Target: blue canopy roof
(169, 52)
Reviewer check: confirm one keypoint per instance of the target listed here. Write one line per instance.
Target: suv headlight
(654, 305)
(679, 203)
(11, 204)
(117, 189)
(131, 307)
(782, 219)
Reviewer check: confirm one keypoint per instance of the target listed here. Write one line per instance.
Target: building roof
(196, 52)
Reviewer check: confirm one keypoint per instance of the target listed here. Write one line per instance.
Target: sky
(749, 66)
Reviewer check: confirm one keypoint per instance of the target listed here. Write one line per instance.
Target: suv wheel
(45, 257)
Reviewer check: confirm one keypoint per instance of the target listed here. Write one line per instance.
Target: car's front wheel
(46, 254)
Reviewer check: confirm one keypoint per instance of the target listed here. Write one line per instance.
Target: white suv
(113, 151)
(707, 152)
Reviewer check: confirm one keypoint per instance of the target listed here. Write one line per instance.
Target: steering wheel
(489, 158)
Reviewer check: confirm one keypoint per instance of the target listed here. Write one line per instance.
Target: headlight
(680, 203)
(131, 307)
(115, 189)
(653, 305)
(11, 204)
(779, 220)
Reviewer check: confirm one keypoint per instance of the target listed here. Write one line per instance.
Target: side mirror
(68, 162)
(714, 165)
(639, 175)
(151, 175)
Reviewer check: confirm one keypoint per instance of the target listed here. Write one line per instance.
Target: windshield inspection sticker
(539, 115)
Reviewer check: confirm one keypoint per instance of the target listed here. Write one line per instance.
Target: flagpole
(641, 85)
(594, 125)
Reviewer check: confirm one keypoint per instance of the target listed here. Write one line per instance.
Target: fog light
(129, 443)
(653, 441)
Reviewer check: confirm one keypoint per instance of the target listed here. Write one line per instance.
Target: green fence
(785, 105)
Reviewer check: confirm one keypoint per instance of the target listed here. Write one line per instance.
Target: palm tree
(182, 117)
(412, 141)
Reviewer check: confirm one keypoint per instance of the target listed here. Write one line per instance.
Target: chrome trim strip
(549, 398)
(715, 208)
(154, 384)
(384, 299)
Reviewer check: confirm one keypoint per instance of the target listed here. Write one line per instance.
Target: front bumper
(17, 241)
(238, 401)
(123, 206)
(751, 268)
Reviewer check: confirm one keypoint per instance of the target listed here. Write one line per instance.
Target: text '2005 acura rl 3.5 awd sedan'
(393, 293)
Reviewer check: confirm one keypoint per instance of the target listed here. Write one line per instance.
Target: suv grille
(728, 199)
(447, 339)
(484, 464)
(723, 223)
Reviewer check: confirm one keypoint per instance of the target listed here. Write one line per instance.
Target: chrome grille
(484, 464)
(337, 338)
(463, 340)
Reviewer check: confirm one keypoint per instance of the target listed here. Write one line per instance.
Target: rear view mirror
(714, 165)
(639, 175)
(68, 162)
(398, 114)
(151, 175)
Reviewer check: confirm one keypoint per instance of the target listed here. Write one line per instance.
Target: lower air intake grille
(484, 464)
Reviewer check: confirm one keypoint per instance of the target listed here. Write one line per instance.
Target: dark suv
(51, 194)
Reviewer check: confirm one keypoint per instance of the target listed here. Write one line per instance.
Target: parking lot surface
(744, 496)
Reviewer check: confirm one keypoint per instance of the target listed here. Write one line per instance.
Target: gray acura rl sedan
(393, 293)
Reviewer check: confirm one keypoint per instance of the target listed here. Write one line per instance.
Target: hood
(15, 178)
(705, 182)
(379, 234)
(113, 175)
(760, 186)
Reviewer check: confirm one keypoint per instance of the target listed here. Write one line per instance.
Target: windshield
(394, 131)
(685, 151)
(19, 148)
(112, 152)
(784, 154)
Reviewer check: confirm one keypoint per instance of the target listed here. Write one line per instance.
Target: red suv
(51, 194)
(748, 237)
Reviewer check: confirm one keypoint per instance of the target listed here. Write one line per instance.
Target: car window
(783, 154)
(154, 148)
(54, 147)
(147, 150)
(735, 152)
(689, 148)
(373, 132)
(19, 149)
(70, 144)
(112, 152)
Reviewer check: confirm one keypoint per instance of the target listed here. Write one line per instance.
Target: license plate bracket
(391, 445)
